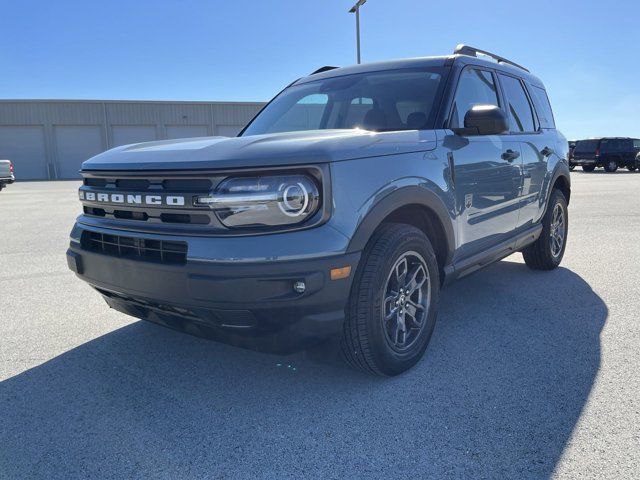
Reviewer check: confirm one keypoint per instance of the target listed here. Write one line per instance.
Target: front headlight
(263, 201)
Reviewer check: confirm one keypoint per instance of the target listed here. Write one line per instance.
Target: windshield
(377, 101)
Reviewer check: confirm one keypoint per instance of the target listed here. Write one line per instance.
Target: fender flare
(561, 170)
(409, 195)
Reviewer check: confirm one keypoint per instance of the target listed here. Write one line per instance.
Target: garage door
(126, 134)
(74, 145)
(24, 146)
(187, 131)
(229, 130)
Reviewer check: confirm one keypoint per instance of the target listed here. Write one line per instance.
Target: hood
(277, 149)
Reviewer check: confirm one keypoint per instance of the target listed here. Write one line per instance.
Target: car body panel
(293, 148)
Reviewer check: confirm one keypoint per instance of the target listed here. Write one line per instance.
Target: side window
(609, 145)
(543, 107)
(636, 143)
(475, 87)
(520, 113)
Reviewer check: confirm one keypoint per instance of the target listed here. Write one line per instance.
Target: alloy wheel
(557, 230)
(406, 301)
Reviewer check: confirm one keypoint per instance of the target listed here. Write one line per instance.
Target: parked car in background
(340, 210)
(6, 173)
(572, 145)
(608, 152)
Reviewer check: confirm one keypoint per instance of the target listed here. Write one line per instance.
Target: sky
(586, 52)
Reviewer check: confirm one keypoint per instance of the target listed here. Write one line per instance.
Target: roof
(421, 62)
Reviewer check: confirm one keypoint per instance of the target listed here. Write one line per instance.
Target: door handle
(510, 155)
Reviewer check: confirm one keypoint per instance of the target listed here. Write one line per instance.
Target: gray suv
(341, 210)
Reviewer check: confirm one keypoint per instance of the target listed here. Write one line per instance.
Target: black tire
(611, 165)
(572, 167)
(544, 254)
(366, 341)
(588, 168)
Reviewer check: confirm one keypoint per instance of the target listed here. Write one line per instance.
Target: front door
(487, 170)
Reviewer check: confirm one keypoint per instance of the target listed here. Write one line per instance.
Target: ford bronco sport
(340, 210)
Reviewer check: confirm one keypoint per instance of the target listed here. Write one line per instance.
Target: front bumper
(252, 305)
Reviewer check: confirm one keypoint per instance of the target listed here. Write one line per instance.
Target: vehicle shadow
(508, 372)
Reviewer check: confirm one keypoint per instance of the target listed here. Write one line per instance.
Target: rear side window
(543, 107)
(475, 87)
(520, 112)
(615, 145)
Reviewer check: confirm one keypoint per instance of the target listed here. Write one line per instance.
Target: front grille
(132, 190)
(161, 251)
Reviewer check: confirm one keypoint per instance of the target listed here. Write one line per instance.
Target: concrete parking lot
(528, 375)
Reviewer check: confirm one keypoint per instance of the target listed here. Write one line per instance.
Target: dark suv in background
(608, 152)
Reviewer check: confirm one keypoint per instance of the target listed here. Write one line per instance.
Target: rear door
(486, 169)
(535, 144)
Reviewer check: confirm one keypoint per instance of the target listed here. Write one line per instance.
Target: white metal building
(49, 139)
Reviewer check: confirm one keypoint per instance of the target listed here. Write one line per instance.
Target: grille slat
(136, 248)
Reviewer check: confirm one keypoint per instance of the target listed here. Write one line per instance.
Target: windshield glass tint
(378, 101)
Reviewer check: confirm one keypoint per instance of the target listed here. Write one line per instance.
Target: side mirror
(485, 120)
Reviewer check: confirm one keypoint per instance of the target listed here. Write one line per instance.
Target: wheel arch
(414, 206)
(562, 183)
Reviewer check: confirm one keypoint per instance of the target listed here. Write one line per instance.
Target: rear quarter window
(542, 106)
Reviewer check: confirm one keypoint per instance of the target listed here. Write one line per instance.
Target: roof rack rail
(326, 68)
(473, 52)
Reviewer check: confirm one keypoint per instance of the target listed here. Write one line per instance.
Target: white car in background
(6, 173)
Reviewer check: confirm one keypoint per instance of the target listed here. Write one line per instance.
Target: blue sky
(585, 51)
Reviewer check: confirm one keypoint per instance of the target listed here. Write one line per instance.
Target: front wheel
(546, 253)
(393, 303)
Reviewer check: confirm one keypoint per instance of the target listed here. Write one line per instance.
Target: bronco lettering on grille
(132, 199)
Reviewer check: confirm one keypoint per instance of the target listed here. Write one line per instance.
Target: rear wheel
(547, 252)
(611, 165)
(588, 168)
(393, 303)
(631, 168)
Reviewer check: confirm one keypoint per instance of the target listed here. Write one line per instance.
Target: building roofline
(70, 100)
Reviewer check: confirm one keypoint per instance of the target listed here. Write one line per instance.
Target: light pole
(356, 9)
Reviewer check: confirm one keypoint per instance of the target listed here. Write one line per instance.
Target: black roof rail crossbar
(473, 52)
(326, 68)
